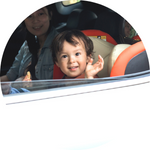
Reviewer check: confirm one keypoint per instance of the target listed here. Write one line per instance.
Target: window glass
(128, 34)
(37, 85)
(49, 84)
(70, 2)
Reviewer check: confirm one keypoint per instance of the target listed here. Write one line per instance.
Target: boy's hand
(92, 70)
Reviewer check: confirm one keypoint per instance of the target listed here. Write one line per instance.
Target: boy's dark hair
(69, 36)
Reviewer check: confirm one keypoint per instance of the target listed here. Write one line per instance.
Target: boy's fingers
(100, 61)
(90, 61)
(100, 58)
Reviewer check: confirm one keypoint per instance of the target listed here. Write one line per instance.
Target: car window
(39, 85)
(128, 34)
(36, 85)
(49, 84)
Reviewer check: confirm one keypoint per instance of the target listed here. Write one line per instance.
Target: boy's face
(72, 60)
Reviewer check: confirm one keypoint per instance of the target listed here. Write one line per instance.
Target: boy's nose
(71, 59)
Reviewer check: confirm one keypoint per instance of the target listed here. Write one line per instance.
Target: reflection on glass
(28, 86)
(38, 85)
(128, 34)
(129, 30)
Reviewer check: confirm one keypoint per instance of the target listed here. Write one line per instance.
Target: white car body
(96, 116)
(113, 114)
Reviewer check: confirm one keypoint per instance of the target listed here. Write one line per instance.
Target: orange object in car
(100, 34)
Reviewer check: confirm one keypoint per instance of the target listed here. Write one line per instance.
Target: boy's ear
(88, 58)
(57, 63)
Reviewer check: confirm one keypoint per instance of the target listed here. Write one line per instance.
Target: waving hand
(92, 70)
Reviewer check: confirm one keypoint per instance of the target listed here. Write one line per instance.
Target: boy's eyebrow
(79, 49)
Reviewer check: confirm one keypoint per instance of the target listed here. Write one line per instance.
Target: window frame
(100, 85)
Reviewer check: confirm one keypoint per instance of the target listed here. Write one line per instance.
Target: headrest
(81, 19)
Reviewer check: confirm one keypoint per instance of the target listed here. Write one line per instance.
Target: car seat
(57, 73)
(100, 34)
(131, 60)
(104, 49)
(106, 27)
(114, 54)
(80, 19)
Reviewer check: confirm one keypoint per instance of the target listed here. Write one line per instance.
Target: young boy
(72, 52)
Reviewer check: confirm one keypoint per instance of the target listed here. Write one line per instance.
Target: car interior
(105, 27)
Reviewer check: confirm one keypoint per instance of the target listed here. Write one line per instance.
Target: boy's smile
(74, 68)
(72, 59)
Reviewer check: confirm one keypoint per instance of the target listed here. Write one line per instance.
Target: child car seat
(114, 54)
(100, 34)
(133, 59)
(106, 27)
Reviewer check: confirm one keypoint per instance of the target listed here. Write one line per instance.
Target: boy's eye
(64, 56)
(77, 54)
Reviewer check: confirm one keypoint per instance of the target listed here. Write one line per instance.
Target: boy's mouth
(73, 68)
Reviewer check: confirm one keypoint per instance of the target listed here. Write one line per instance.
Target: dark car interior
(85, 16)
